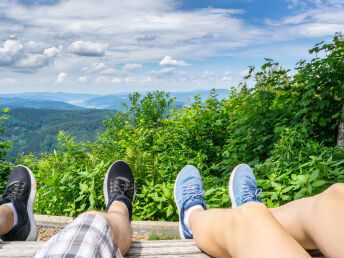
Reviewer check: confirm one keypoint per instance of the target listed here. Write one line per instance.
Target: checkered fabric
(89, 235)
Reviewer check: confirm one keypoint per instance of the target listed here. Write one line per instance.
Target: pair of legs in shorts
(249, 229)
(92, 234)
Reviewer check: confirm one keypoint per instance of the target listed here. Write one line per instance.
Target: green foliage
(298, 167)
(69, 180)
(155, 202)
(4, 146)
(285, 127)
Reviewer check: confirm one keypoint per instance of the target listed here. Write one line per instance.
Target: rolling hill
(36, 130)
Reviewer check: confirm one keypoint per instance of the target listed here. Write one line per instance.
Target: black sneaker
(119, 185)
(21, 192)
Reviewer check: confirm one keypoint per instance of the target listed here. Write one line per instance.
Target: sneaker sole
(230, 187)
(31, 201)
(175, 200)
(105, 191)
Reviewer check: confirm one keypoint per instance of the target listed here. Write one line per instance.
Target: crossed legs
(316, 222)
(253, 230)
(246, 231)
(250, 229)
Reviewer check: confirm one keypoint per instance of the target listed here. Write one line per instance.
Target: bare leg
(118, 219)
(246, 231)
(6, 219)
(316, 222)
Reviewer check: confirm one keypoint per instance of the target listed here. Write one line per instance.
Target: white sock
(121, 203)
(188, 212)
(9, 204)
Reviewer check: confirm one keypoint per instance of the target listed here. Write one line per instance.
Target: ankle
(191, 212)
(119, 207)
(7, 221)
(10, 212)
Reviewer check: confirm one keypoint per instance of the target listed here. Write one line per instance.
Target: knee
(334, 193)
(250, 212)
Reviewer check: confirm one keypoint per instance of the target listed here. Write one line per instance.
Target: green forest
(288, 127)
(34, 130)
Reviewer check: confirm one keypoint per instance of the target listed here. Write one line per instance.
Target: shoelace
(14, 191)
(121, 186)
(247, 192)
(192, 192)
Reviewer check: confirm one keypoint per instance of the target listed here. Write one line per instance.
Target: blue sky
(111, 46)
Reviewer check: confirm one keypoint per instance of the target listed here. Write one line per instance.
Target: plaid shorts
(88, 235)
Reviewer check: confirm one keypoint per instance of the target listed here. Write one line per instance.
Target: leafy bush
(298, 168)
(4, 146)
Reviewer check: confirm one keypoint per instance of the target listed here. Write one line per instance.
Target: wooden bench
(156, 248)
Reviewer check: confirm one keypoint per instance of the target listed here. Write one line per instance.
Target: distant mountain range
(73, 101)
(15, 102)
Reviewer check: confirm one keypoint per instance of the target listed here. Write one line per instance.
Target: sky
(112, 46)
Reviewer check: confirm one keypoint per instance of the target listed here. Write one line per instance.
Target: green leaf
(319, 183)
(314, 175)
(83, 187)
(169, 211)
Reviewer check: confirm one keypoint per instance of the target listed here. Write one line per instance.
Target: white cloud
(87, 48)
(99, 67)
(164, 73)
(167, 60)
(82, 79)
(131, 67)
(52, 51)
(116, 80)
(10, 52)
(8, 81)
(109, 71)
(207, 75)
(130, 79)
(102, 79)
(244, 72)
(226, 78)
(34, 47)
(61, 77)
(13, 55)
(34, 61)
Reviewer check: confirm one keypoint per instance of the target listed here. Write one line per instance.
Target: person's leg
(316, 222)
(246, 231)
(6, 219)
(117, 218)
(17, 222)
(100, 234)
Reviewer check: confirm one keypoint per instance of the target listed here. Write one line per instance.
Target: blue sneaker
(243, 186)
(188, 192)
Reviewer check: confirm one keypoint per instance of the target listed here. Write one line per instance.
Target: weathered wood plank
(145, 249)
(159, 228)
(172, 248)
(163, 248)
